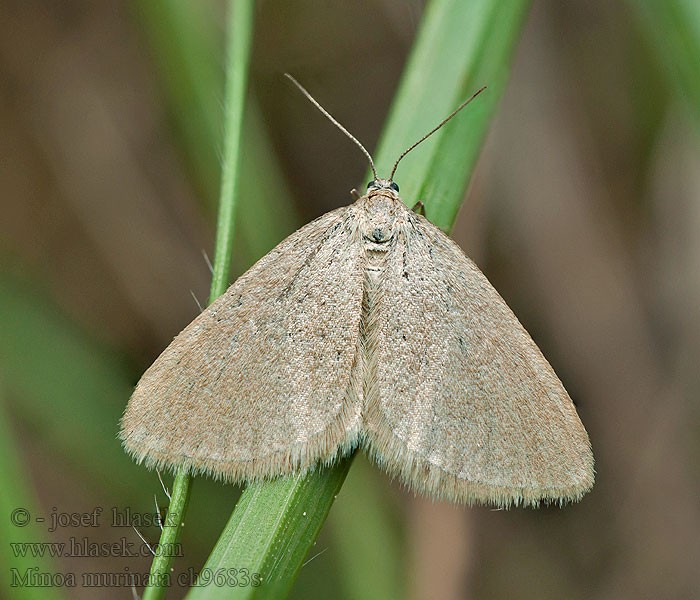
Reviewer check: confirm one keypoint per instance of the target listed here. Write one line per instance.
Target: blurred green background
(584, 212)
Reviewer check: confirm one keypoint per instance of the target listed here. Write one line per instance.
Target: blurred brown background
(584, 212)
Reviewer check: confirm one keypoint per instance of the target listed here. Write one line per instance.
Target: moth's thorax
(381, 216)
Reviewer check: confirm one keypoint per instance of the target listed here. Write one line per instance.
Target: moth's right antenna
(332, 120)
(427, 135)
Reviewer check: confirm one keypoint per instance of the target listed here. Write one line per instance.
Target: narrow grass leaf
(673, 28)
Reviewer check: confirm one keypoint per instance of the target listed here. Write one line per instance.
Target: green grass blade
(673, 27)
(368, 543)
(459, 48)
(286, 516)
(58, 373)
(240, 28)
(63, 384)
(240, 31)
(159, 576)
(15, 497)
(186, 53)
(184, 38)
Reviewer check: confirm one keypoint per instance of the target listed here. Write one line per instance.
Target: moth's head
(380, 209)
(382, 186)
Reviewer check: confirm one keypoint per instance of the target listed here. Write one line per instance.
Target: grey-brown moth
(369, 327)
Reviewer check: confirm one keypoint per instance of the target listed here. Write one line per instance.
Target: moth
(369, 327)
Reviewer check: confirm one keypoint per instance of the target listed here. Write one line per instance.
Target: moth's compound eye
(394, 187)
(371, 184)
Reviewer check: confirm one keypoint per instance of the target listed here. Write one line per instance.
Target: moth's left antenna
(332, 120)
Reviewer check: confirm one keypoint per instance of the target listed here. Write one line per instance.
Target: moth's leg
(419, 208)
(355, 194)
